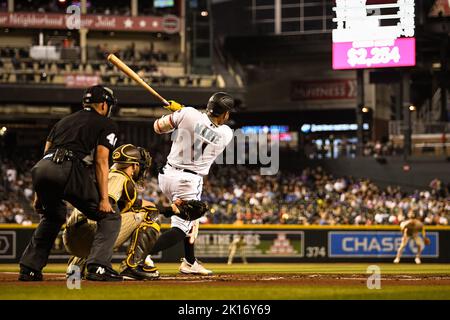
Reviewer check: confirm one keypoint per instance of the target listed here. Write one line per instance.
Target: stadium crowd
(16, 191)
(240, 195)
(99, 53)
(17, 67)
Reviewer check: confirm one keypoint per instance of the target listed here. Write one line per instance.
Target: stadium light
(436, 65)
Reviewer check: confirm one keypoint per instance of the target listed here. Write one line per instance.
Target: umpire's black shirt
(81, 132)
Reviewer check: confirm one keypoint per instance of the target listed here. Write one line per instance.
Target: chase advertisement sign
(344, 244)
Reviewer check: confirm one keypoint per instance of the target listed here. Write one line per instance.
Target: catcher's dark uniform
(65, 173)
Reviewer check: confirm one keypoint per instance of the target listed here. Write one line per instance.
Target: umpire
(75, 145)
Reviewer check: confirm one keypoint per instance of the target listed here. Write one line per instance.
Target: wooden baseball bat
(133, 75)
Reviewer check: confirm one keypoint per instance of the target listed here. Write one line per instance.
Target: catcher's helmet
(98, 94)
(130, 154)
(219, 103)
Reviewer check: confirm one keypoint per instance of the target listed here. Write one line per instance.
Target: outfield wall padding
(270, 243)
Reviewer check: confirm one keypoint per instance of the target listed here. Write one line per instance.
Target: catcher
(410, 229)
(140, 218)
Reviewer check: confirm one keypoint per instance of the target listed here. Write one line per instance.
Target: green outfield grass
(152, 291)
(235, 290)
(279, 268)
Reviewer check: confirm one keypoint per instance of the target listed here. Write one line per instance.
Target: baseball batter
(411, 229)
(200, 137)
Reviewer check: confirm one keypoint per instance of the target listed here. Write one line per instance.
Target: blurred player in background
(238, 244)
(411, 229)
(199, 139)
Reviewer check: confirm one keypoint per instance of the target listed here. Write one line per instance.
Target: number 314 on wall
(371, 56)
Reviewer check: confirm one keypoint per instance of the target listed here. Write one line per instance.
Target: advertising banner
(7, 244)
(401, 52)
(376, 244)
(270, 244)
(258, 244)
(81, 80)
(334, 89)
(34, 20)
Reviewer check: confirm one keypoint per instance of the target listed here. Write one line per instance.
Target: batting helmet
(219, 103)
(99, 94)
(130, 154)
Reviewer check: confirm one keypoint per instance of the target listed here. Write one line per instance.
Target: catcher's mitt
(191, 209)
(427, 241)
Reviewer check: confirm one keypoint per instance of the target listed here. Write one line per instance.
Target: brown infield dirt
(245, 280)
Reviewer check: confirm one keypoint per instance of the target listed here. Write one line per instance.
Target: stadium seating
(16, 67)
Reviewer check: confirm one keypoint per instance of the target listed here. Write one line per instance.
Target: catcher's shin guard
(142, 241)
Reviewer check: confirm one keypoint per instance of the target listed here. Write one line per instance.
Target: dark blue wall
(421, 172)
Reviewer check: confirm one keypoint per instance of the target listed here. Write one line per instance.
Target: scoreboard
(373, 34)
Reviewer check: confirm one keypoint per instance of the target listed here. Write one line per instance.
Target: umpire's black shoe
(96, 272)
(140, 273)
(28, 274)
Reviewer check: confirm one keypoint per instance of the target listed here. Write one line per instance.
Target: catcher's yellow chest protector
(122, 189)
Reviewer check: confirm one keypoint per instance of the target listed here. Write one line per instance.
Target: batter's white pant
(177, 184)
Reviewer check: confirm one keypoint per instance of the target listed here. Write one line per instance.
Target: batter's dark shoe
(96, 272)
(28, 274)
(140, 273)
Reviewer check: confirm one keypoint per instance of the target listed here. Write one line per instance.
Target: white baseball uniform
(196, 145)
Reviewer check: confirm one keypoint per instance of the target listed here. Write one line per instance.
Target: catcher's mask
(99, 94)
(130, 154)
